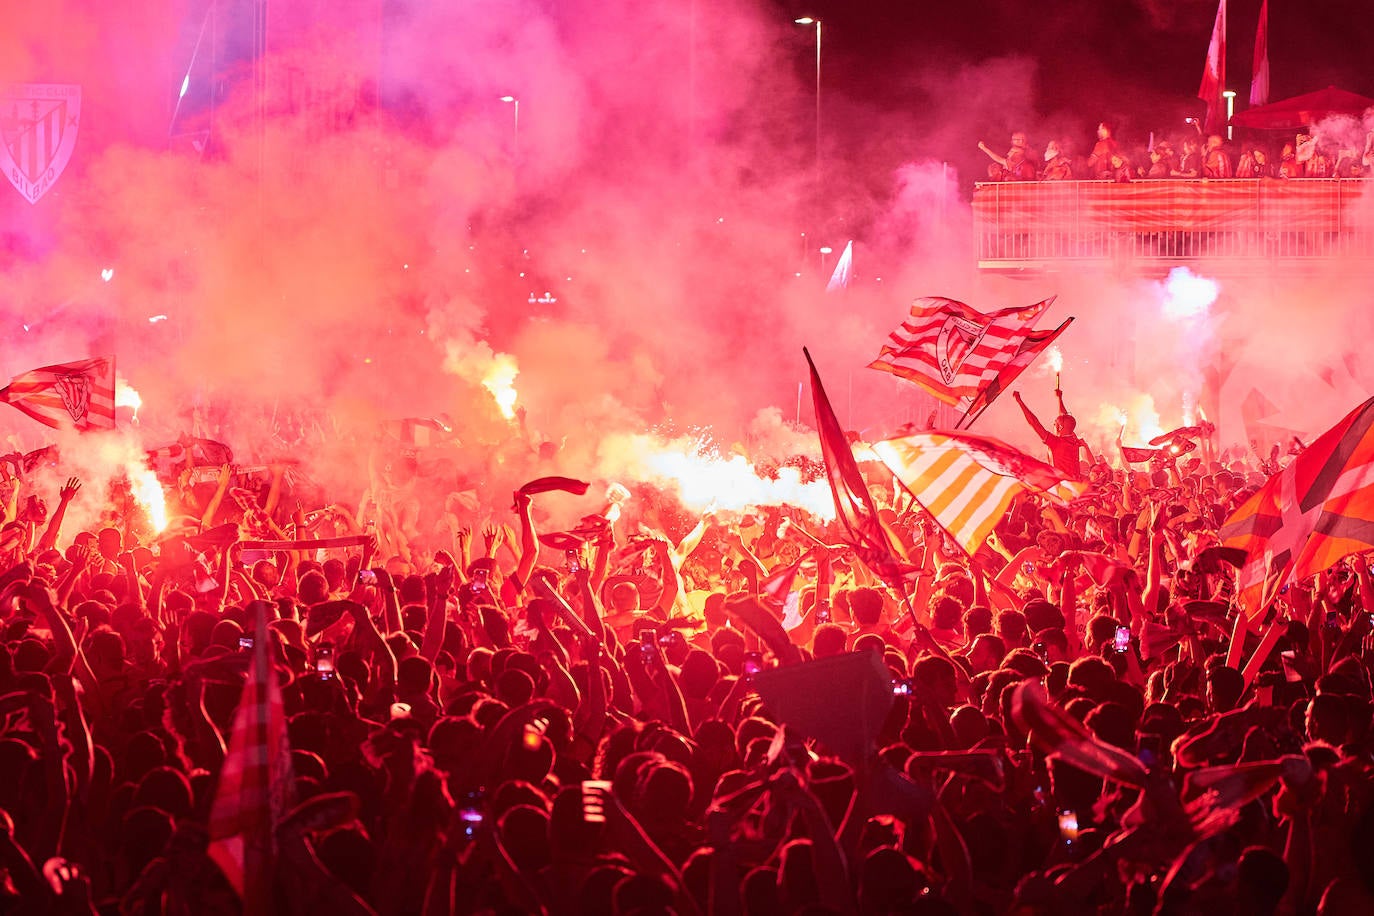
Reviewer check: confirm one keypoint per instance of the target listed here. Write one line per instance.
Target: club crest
(958, 338)
(75, 391)
(38, 124)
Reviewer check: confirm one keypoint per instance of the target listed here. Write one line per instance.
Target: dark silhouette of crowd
(645, 712)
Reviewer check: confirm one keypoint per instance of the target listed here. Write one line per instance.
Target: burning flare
(1054, 358)
(126, 396)
(148, 493)
(500, 381)
(704, 479)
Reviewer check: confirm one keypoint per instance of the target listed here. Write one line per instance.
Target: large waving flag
(1308, 516)
(951, 349)
(1026, 350)
(79, 395)
(1214, 74)
(878, 548)
(967, 482)
(255, 785)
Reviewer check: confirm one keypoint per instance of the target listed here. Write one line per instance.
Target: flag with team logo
(77, 395)
(953, 350)
(1310, 515)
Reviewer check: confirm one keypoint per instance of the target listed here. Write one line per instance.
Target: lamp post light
(1230, 96)
(811, 20)
(516, 102)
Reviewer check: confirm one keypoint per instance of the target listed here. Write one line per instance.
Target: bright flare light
(1187, 295)
(704, 479)
(500, 381)
(1054, 358)
(126, 396)
(148, 494)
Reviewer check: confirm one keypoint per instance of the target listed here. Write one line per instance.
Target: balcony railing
(1244, 222)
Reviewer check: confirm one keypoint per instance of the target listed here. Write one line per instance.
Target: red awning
(1303, 110)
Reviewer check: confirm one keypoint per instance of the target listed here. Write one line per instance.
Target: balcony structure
(1148, 227)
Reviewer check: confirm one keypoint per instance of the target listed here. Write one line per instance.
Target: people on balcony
(1304, 157)
(1190, 166)
(1100, 160)
(1058, 164)
(1216, 162)
(1015, 165)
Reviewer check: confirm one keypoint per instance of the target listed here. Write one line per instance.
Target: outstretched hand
(69, 489)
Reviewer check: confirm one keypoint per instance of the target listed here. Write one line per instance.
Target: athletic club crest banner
(951, 349)
(76, 395)
(38, 124)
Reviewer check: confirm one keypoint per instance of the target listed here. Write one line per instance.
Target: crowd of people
(1193, 156)
(509, 715)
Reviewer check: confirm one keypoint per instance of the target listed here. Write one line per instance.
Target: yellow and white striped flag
(967, 482)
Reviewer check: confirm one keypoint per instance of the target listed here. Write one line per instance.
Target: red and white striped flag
(967, 482)
(1308, 516)
(1214, 74)
(1259, 73)
(951, 349)
(78, 395)
(1018, 358)
(255, 785)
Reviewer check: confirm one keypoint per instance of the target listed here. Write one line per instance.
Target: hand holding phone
(1122, 641)
(324, 660)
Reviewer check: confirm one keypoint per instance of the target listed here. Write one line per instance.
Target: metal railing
(1244, 221)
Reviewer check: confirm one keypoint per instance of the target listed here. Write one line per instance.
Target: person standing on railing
(1217, 162)
(1015, 165)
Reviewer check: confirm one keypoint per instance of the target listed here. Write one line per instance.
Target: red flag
(1310, 515)
(255, 785)
(1259, 73)
(951, 349)
(878, 548)
(79, 395)
(548, 484)
(1214, 74)
(1027, 348)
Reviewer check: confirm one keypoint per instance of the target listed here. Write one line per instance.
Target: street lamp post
(516, 102)
(811, 20)
(1230, 96)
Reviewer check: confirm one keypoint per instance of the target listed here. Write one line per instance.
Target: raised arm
(529, 541)
(1031, 418)
(64, 498)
